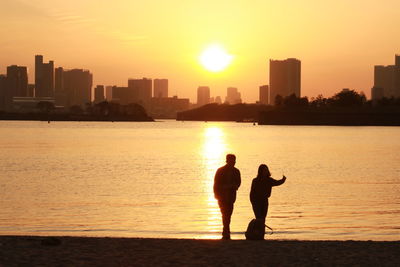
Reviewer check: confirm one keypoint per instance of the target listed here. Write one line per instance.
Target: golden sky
(338, 42)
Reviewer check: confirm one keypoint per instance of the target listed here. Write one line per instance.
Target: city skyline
(332, 42)
(284, 80)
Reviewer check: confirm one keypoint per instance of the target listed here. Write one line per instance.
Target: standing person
(261, 191)
(226, 183)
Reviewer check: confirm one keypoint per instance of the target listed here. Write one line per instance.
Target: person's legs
(264, 210)
(226, 211)
(259, 210)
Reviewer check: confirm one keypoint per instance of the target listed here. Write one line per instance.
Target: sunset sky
(338, 42)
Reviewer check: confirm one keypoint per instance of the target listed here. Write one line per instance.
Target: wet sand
(89, 251)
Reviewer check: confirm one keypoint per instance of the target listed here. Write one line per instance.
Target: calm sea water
(155, 179)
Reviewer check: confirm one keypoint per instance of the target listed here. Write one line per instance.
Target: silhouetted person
(226, 183)
(261, 191)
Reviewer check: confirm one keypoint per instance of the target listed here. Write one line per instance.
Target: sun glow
(214, 58)
(214, 150)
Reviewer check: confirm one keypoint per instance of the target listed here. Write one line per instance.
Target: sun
(214, 58)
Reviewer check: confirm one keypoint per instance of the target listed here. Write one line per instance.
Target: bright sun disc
(215, 58)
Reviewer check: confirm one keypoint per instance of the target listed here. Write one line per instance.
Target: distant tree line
(347, 107)
(345, 98)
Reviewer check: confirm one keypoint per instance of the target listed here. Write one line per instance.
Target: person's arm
(252, 191)
(216, 186)
(238, 180)
(278, 182)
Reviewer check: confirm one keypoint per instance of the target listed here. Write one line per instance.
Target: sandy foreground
(89, 251)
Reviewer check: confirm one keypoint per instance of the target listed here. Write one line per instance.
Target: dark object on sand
(51, 241)
(255, 230)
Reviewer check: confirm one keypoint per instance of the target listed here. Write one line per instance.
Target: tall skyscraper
(203, 95)
(59, 79)
(109, 93)
(3, 91)
(284, 78)
(31, 90)
(160, 88)
(77, 86)
(60, 94)
(122, 95)
(142, 91)
(264, 94)
(44, 77)
(233, 96)
(99, 94)
(17, 81)
(386, 80)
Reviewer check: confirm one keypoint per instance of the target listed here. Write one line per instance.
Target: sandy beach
(89, 251)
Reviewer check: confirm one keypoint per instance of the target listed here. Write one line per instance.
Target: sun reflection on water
(214, 150)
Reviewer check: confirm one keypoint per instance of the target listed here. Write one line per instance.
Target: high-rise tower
(284, 78)
(203, 95)
(44, 77)
(160, 88)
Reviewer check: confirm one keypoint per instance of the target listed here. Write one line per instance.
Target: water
(155, 179)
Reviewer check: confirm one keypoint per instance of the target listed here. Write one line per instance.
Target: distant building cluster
(386, 81)
(284, 80)
(233, 96)
(74, 87)
(58, 86)
(65, 88)
(152, 95)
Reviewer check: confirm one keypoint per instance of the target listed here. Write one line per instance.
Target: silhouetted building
(17, 81)
(77, 85)
(109, 93)
(160, 88)
(377, 93)
(60, 93)
(141, 91)
(203, 95)
(386, 80)
(30, 104)
(284, 78)
(3, 91)
(122, 95)
(218, 100)
(99, 94)
(264, 94)
(167, 107)
(44, 77)
(233, 96)
(59, 79)
(31, 90)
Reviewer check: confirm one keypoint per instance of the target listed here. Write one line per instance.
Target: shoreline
(112, 251)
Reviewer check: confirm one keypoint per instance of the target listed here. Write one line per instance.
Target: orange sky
(338, 42)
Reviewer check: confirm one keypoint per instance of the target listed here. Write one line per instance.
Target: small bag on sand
(255, 230)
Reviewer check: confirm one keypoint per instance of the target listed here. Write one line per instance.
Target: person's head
(230, 160)
(263, 171)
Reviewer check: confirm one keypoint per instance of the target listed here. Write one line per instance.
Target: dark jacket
(261, 188)
(226, 183)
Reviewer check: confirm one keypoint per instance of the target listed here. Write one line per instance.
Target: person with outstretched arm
(261, 187)
(226, 183)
